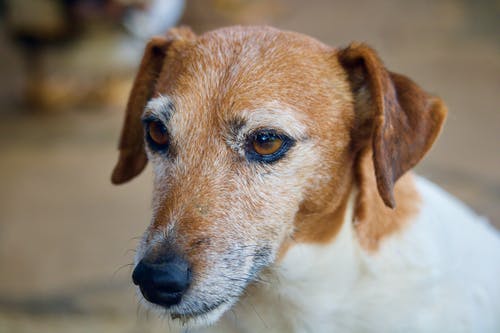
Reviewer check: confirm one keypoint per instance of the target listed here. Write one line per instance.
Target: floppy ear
(133, 157)
(396, 116)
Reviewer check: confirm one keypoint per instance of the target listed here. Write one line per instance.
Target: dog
(284, 199)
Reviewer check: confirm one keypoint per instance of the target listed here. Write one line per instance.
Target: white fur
(441, 274)
(159, 106)
(276, 115)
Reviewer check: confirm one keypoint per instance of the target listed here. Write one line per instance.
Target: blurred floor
(65, 231)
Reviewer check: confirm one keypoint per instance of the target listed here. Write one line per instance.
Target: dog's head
(253, 135)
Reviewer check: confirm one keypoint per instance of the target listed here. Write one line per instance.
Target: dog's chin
(191, 318)
(200, 319)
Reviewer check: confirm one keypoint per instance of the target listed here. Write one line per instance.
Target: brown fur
(312, 226)
(223, 212)
(373, 219)
(403, 120)
(397, 123)
(132, 155)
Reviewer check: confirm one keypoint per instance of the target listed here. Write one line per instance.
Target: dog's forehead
(242, 68)
(263, 46)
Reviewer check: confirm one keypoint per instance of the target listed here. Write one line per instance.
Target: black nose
(164, 281)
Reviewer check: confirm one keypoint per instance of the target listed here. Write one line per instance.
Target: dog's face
(249, 131)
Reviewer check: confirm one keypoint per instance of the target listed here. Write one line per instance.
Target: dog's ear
(133, 157)
(395, 116)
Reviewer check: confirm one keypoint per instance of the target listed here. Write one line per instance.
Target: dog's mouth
(194, 314)
(191, 314)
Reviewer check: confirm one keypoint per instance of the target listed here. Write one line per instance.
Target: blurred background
(67, 236)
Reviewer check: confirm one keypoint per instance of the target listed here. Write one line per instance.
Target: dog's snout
(163, 282)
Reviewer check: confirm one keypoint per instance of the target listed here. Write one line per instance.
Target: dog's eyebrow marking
(274, 115)
(160, 107)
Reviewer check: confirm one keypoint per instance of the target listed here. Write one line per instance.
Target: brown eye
(157, 132)
(266, 143)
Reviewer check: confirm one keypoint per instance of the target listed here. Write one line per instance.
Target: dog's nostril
(163, 282)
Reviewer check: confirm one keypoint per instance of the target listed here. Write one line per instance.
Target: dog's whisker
(127, 252)
(258, 314)
(120, 268)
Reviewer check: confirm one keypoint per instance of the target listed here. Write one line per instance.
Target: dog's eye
(268, 146)
(157, 134)
(265, 143)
